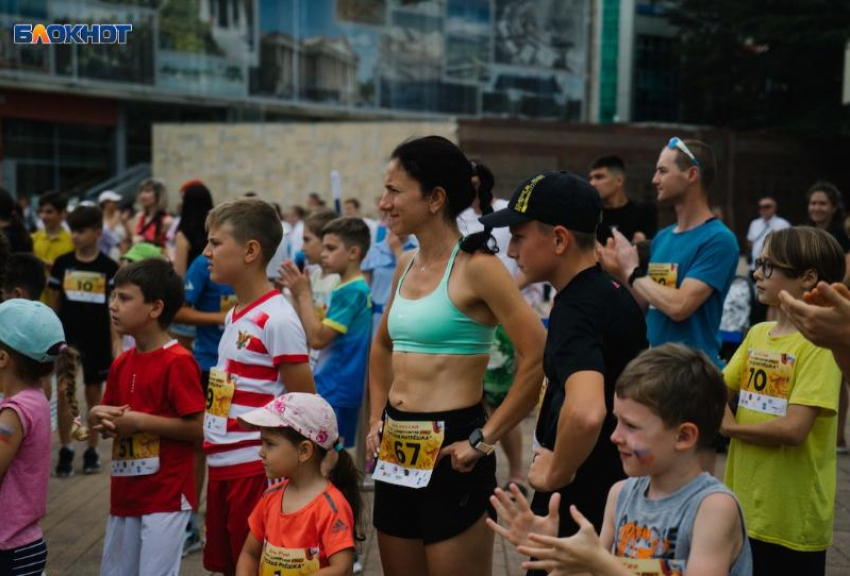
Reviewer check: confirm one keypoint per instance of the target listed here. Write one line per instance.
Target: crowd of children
(267, 400)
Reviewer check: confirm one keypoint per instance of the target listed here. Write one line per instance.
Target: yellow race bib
(408, 452)
(219, 398)
(653, 566)
(279, 561)
(664, 273)
(80, 286)
(227, 302)
(767, 381)
(136, 455)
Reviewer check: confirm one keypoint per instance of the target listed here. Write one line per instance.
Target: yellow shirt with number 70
(787, 492)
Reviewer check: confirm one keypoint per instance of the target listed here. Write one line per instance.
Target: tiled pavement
(77, 509)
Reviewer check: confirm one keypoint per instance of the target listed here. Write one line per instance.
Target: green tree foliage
(752, 64)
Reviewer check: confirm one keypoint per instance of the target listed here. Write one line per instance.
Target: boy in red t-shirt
(153, 409)
(262, 354)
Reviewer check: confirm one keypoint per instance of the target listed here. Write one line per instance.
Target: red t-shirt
(303, 540)
(152, 474)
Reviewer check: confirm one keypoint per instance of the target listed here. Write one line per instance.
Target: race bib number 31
(409, 452)
(219, 397)
(666, 274)
(279, 561)
(83, 286)
(136, 455)
(767, 381)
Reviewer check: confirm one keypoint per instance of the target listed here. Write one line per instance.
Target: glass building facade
(471, 58)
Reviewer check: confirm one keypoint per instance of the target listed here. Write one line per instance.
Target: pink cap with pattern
(308, 414)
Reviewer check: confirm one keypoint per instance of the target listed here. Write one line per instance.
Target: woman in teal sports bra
(435, 470)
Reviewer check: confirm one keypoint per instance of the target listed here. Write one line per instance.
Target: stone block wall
(283, 162)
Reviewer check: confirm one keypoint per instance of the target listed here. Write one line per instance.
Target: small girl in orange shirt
(307, 523)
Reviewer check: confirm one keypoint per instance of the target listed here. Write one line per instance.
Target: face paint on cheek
(643, 455)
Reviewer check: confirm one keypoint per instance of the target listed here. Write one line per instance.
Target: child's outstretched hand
(291, 277)
(558, 556)
(516, 514)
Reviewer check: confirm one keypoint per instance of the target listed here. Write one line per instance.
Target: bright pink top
(23, 488)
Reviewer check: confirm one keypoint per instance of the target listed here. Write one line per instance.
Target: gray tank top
(663, 528)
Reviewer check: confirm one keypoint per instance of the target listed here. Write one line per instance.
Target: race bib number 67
(408, 452)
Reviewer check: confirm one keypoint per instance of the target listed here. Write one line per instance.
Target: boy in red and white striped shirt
(262, 354)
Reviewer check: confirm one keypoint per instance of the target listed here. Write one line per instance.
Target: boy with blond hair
(153, 409)
(343, 336)
(668, 517)
(262, 354)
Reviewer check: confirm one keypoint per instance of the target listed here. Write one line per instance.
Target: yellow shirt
(48, 249)
(787, 492)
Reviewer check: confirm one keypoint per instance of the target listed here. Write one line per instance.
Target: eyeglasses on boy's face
(676, 143)
(767, 268)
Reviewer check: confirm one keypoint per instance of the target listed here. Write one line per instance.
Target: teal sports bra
(433, 324)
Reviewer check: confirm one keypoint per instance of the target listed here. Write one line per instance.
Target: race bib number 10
(136, 455)
(219, 398)
(408, 452)
(279, 561)
(83, 286)
(767, 381)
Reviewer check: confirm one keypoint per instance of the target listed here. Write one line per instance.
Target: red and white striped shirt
(256, 341)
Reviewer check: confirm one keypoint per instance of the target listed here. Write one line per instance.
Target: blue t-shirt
(708, 253)
(341, 370)
(207, 296)
(380, 261)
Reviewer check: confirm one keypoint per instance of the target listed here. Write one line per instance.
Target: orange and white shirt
(257, 340)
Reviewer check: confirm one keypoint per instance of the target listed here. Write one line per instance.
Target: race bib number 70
(767, 381)
(666, 274)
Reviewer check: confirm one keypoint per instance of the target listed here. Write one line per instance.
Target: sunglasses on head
(676, 143)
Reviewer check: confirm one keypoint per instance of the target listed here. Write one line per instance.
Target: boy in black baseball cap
(595, 329)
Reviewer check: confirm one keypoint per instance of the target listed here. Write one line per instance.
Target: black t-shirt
(837, 232)
(84, 301)
(630, 218)
(595, 325)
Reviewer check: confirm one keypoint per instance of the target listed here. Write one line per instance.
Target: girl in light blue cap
(32, 344)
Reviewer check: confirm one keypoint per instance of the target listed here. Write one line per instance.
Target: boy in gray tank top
(668, 518)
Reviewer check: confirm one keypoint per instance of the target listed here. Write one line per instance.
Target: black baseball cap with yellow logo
(555, 198)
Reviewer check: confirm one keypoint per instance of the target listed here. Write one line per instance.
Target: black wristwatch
(476, 440)
(638, 272)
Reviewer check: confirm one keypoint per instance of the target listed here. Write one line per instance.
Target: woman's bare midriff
(436, 382)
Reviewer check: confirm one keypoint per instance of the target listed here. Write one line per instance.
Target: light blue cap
(31, 328)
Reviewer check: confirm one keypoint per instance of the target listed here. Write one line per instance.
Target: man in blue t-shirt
(691, 264)
(207, 304)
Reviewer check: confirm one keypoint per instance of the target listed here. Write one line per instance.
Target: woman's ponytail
(483, 240)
